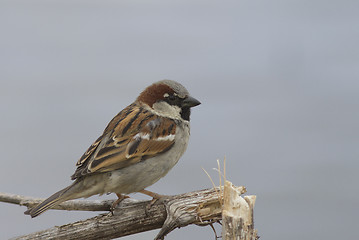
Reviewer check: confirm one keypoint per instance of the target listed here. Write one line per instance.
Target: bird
(139, 146)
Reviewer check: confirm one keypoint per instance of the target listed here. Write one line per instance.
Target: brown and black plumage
(138, 147)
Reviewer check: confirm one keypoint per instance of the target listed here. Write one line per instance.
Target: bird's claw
(117, 201)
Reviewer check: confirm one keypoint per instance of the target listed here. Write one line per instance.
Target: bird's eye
(171, 97)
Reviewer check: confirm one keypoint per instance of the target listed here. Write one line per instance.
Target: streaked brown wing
(135, 134)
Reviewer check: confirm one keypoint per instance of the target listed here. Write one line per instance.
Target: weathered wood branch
(237, 214)
(74, 205)
(130, 217)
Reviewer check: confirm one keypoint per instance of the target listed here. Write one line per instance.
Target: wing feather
(122, 144)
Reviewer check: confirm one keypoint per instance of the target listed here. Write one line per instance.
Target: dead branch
(237, 214)
(200, 207)
(130, 217)
(73, 205)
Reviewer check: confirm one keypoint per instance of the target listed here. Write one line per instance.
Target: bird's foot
(155, 197)
(121, 197)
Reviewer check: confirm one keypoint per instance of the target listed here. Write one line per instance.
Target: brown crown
(154, 93)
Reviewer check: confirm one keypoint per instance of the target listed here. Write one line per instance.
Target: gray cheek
(164, 109)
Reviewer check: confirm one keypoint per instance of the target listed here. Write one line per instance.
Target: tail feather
(53, 200)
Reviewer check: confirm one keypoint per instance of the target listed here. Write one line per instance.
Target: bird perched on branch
(138, 147)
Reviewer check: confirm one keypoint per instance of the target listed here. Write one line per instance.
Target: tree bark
(199, 207)
(73, 205)
(202, 207)
(237, 214)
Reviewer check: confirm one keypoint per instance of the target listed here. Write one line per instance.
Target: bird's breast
(143, 174)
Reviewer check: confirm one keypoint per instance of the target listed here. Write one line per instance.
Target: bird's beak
(190, 102)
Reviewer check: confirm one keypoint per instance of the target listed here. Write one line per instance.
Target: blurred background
(279, 86)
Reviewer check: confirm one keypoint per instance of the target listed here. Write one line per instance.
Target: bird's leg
(117, 201)
(155, 197)
(152, 194)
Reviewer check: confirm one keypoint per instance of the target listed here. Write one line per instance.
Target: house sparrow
(138, 147)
